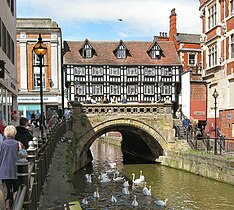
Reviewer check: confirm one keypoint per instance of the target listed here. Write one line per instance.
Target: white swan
(125, 191)
(137, 181)
(118, 178)
(146, 191)
(103, 176)
(96, 194)
(135, 203)
(88, 178)
(142, 177)
(113, 165)
(161, 203)
(113, 199)
(126, 183)
(105, 179)
(84, 201)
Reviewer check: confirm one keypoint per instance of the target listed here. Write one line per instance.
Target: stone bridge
(147, 129)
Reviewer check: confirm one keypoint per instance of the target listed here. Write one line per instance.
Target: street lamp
(40, 49)
(215, 95)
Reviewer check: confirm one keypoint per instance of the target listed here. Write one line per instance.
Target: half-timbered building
(140, 71)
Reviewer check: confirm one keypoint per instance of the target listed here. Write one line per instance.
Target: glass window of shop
(27, 109)
(5, 105)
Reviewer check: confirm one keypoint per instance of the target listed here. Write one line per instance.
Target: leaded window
(80, 89)
(166, 90)
(149, 71)
(79, 70)
(132, 90)
(132, 71)
(114, 71)
(212, 54)
(87, 51)
(149, 89)
(97, 89)
(212, 16)
(97, 71)
(155, 52)
(114, 89)
(121, 52)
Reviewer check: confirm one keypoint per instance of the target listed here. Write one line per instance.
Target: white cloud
(141, 16)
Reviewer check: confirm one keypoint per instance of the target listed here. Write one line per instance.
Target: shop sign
(199, 113)
(33, 99)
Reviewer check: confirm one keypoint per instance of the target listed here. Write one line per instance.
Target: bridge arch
(150, 132)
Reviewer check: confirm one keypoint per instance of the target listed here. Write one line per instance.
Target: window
(166, 71)
(155, 52)
(97, 90)
(232, 7)
(212, 54)
(80, 90)
(149, 90)
(4, 39)
(36, 80)
(114, 71)
(87, 51)
(192, 59)
(212, 15)
(114, 90)
(166, 90)
(79, 70)
(132, 90)
(36, 59)
(149, 71)
(232, 46)
(132, 71)
(121, 52)
(97, 71)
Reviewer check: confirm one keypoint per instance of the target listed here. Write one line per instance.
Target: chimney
(173, 24)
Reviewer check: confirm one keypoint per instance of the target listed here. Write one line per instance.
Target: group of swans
(141, 180)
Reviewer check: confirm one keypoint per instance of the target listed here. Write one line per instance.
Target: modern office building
(28, 30)
(8, 70)
(218, 62)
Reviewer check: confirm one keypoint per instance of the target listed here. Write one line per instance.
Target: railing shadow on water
(33, 167)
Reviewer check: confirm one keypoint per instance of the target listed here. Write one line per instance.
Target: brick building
(218, 62)
(193, 87)
(8, 70)
(28, 30)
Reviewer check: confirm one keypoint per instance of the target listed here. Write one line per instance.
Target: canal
(182, 189)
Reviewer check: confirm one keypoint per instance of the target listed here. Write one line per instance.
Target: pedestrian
(37, 118)
(42, 121)
(8, 157)
(105, 101)
(2, 127)
(15, 119)
(23, 133)
(32, 120)
(113, 100)
(124, 100)
(53, 120)
(93, 100)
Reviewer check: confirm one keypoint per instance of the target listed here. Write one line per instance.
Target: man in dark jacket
(23, 134)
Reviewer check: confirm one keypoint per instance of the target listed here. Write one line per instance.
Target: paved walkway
(58, 190)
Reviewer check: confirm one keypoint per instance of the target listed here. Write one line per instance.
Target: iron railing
(32, 172)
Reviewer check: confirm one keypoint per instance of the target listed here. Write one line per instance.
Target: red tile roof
(105, 56)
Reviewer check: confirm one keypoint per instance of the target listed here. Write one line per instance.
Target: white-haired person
(8, 156)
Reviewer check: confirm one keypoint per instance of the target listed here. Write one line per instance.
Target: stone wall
(214, 167)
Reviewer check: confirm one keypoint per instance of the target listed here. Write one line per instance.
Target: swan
(113, 199)
(134, 203)
(103, 176)
(96, 194)
(105, 179)
(146, 191)
(113, 165)
(125, 191)
(161, 203)
(142, 177)
(118, 178)
(88, 178)
(137, 181)
(84, 201)
(125, 184)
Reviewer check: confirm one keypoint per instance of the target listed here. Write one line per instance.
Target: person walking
(8, 156)
(23, 133)
(37, 118)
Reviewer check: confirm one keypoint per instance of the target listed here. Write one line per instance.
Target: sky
(98, 20)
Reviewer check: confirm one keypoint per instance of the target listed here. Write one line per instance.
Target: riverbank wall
(215, 167)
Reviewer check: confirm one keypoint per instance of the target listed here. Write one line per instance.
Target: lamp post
(40, 49)
(215, 95)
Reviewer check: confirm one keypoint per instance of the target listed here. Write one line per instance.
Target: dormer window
(87, 51)
(121, 52)
(155, 52)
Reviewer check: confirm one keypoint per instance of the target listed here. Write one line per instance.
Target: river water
(182, 189)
